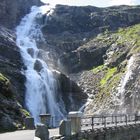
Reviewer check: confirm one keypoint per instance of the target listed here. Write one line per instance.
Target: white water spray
(40, 85)
(121, 89)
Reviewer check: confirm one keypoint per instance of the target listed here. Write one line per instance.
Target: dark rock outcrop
(11, 62)
(11, 88)
(72, 95)
(11, 65)
(11, 115)
(11, 11)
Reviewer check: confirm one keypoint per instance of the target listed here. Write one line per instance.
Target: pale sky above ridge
(98, 3)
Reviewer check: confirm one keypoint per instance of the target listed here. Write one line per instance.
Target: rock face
(72, 95)
(11, 115)
(101, 41)
(11, 88)
(69, 28)
(113, 86)
(11, 78)
(11, 62)
(11, 12)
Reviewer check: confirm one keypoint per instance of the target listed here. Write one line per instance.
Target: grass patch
(97, 69)
(131, 35)
(108, 88)
(110, 72)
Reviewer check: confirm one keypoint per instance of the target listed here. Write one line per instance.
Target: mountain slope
(98, 48)
(103, 41)
(114, 85)
(70, 27)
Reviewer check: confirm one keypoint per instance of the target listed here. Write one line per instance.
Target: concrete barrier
(65, 128)
(42, 132)
(75, 118)
(29, 123)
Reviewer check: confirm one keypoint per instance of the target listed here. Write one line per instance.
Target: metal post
(116, 120)
(112, 119)
(121, 119)
(92, 123)
(104, 121)
(52, 121)
(135, 118)
(126, 119)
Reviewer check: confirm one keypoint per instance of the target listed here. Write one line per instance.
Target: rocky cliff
(12, 79)
(11, 82)
(11, 12)
(97, 48)
(69, 27)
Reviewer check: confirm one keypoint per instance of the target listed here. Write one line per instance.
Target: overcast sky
(98, 3)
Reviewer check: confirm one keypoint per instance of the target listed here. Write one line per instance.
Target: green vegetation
(126, 42)
(97, 69)
(25, 112)
(4, 79)
(109, 74)
(130, 35)
(108, 88)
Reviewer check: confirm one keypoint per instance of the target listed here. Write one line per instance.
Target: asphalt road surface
(24, 135)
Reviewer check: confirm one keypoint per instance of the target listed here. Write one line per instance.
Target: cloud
(124, 2)
(98, 3)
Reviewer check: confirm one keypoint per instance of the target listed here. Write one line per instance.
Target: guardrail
(109, 120)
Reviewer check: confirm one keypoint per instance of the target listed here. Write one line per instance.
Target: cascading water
(120, 96)
(40, 85)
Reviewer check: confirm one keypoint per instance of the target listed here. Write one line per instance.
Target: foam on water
(40, 86)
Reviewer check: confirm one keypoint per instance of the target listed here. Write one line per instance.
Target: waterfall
(40, 85)
(120, 96)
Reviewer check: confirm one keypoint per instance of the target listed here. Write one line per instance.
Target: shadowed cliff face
(12, 80)
(11, 83)
(69, 28)
(11, 11)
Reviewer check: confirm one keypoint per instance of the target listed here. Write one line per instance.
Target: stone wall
(129, 132)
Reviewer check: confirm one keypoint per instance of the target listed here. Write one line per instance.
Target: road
(24, 135)
(29, 134)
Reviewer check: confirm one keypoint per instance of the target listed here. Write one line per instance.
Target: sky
(98, 3)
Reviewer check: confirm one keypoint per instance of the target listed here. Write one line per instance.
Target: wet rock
(31, 51)
(38, 66)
